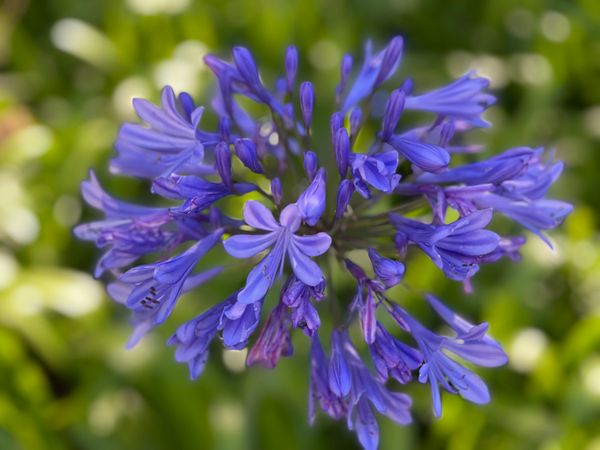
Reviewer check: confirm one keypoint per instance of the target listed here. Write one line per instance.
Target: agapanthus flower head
(313, 206)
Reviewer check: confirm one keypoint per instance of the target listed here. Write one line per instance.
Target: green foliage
(68, 71)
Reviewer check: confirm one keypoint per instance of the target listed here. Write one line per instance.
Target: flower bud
(307, 100)
(246, 152)
(344, 194)
(291, 66)
(223, 163)
(310, 164)
(341, 149)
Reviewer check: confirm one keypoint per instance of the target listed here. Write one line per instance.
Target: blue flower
(376, 70)
(281, 237)
(463, 99)
(367, 393)
(378, 171)
(157, 287)
(246, 152)
(344, 386)
(393, 358)
(534, 182)
(454, 248)
(426, 156)
(130, 231)
(171, 143)
(471, 344)
(344, 195)
(341, 147)
(238, 322)
(536, 215)
(340, 378)
(319, 390)
(495, 170)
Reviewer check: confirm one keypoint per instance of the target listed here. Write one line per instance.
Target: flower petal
(313, 245)
(262, 276)
(304, 268)
(258, 216)
(248, 245)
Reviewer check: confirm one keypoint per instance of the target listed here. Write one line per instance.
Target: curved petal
(304, 268)
(476, 243)
(258, 216)
(476, 390)
(313, 245)
(248, 245)
(478, 352)
(366, 426)
(429, 157)
(472, 222)
(168, 102)
(147, 138)
(261, 277)
(161, 121)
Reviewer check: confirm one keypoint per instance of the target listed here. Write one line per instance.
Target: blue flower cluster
(290, 237)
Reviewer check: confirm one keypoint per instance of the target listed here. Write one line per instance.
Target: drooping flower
(392, 358)
(297, 296)
(155, 288)
(319, 390)
(193, 338)
(274, 340)
(366, 393)
(471, 344)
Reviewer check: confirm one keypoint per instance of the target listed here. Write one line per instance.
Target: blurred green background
(68, 70)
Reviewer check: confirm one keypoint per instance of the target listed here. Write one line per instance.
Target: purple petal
(261, 278)
(366, 426)
(259, 216)
(480, 242)
(313, 245)
(367, 318)
(248, 245)
(172, 270)
(304, 268)
(428, 157)
(291, 218)
(393, 111)
(340, 378)
(478, 352)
